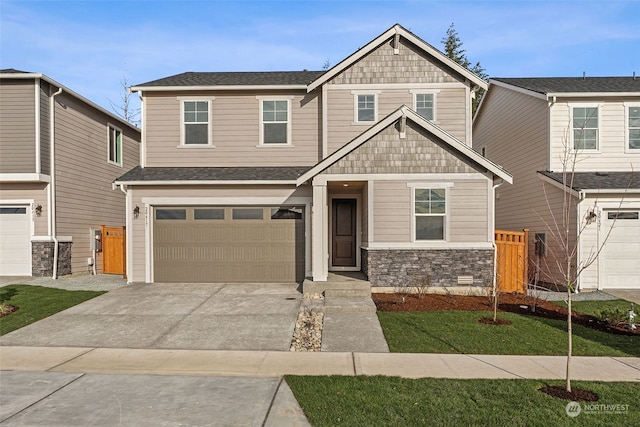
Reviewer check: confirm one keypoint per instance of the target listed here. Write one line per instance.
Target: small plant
(421, 285)
(613, 317)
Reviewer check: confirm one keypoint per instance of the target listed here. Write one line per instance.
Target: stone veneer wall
(42, 258)
(399, 267)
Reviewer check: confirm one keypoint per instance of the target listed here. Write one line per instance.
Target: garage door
(228, 244)
(621, 254)
(15, 241)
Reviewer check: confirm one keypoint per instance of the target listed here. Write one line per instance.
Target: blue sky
(89, 46)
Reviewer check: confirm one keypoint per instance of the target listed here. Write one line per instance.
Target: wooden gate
(113, 250)
(512, 260)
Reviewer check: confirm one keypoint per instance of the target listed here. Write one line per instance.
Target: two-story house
(573, 146)
(282, 176)
(59, 154)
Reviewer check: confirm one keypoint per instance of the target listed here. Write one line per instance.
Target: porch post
(320, 233)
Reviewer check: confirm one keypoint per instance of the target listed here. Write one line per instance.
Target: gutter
(493, 239)
(52, 185)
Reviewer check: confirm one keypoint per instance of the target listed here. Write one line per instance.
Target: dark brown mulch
(576, 394)
(514, 303)
(497, 322)
(7, 309)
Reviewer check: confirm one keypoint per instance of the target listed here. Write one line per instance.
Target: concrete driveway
(173, 316)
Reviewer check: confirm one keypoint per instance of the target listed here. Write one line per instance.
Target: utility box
(96, 240)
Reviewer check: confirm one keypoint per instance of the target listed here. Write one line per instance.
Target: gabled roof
(408, 113)
(574, 86)
(236, 80)
(208, 175)
(596, 181)
(397, 29)
(11, 73)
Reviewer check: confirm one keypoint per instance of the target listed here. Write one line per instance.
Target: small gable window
(585, 128)
(633, 130)
(195, 120)
(424, 105)
(366, 105)
(275, 121)
(430, 210)
(115, 146)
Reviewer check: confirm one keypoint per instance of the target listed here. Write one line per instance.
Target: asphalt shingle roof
(599, 180)
(259, 78)
(547, 85)
(213, 174)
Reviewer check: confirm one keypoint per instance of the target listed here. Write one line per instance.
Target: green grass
(460, 332)
(37, 302)
(593, 307)
(393, 401)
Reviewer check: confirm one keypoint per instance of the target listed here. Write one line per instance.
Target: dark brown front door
(344, 233)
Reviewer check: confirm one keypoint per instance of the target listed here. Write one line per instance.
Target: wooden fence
(512, 260)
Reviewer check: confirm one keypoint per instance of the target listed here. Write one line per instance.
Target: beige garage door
(228, 244)
(620, 255)
(15, 241)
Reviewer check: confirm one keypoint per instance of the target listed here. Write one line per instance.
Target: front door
(343, 252)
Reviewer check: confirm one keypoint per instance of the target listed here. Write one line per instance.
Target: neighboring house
(59, 154)
(529, 125)
(282, 176)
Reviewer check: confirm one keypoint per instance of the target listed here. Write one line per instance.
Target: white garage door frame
(151, 202)
(630, 223)
(28, 204)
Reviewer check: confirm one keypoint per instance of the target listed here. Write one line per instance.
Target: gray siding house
(287, 176)
(573, 139)
(59, 154)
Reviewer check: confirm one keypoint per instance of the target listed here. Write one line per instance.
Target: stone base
(448, 268)
(42, 258)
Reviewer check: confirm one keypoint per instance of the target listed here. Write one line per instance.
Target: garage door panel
(15, 241)
(224, 249)
(621, 253)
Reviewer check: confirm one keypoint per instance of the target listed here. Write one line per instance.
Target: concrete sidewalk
(278, 363)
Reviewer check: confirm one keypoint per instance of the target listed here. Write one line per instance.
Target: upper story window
(366, 108)
(275, 121)
(430, 211)
(115, 145)
(633, 127)
(195, 123)
(424, 105)
(585, 128)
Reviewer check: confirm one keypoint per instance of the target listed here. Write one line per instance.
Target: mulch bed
(576, 394)
(514, 303)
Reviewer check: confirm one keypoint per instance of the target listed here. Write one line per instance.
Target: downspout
(581, 196)
(493, 239)
(52, 184)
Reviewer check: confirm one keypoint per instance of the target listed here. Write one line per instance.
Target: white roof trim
(396, 29)
(227, 87)
(517, 89)
(69, 91)
(24, 177)
(425, 124)
(207, 182)
(549, 95)
(557, 184)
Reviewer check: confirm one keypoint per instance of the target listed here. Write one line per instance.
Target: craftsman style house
(573, 138)
(282, 176)
(59, 154)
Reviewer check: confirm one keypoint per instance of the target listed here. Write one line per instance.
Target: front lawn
(37, 302)
(394, 401)
(460, 332)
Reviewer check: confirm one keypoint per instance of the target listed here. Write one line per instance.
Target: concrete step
(319, 287)
(348, 292)
(349, 304)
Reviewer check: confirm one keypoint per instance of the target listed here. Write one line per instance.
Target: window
(424, 105)
(623, 215)
(171, 214)
(366, 108)
(13, 211)
(206, 213)
(248, 213)
(585, 128)
(115, 146)
(195, 119)
(275, 122)
(429, 212)
(633, 128)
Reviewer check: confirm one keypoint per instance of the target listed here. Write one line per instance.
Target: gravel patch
(307, 335)
(75, 282)
(582, 296)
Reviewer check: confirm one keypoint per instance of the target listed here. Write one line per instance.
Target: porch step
(349, 304)
(348, 291)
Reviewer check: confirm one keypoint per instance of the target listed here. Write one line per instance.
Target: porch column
(320, 233)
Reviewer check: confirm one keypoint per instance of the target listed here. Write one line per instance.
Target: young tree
(453, 49)
(124, 107)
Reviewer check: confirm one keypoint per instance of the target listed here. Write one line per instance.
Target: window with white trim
(424, 105)
(633, 127)
(275, 121)
(115, 145)
(366, 108)
(429, 211)
(195, 123)
(585, 128)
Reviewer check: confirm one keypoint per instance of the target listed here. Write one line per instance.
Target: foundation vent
(465, 280)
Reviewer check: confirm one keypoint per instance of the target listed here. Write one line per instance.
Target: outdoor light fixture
(591, 216)
(136, 212)
(38, 210)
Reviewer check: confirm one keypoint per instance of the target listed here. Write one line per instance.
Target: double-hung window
(633, 127)
(115, 145)
(429, 211)
(196, 123)
(424, 104)
(366, 108)
(275, 120)
(585, 128)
